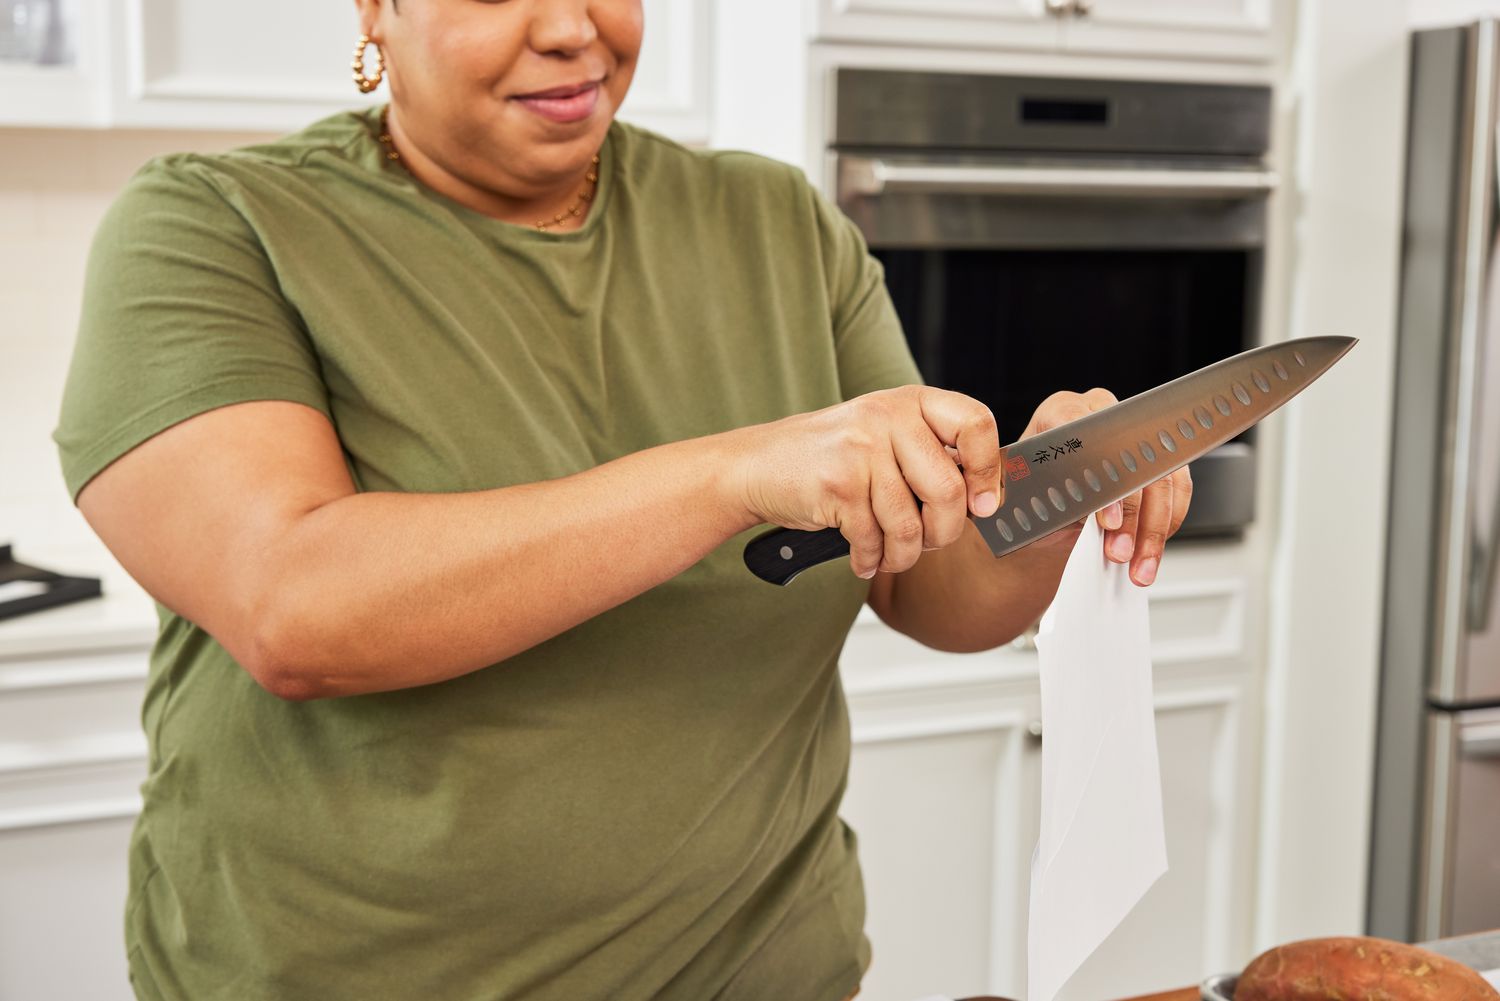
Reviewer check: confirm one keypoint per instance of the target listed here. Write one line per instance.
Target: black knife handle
(782, 553)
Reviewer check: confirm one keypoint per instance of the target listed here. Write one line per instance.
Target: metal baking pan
(1219, 987)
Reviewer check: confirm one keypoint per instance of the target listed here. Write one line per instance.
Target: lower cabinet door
(944, 798)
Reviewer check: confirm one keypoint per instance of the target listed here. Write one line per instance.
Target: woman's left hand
(1137, 528)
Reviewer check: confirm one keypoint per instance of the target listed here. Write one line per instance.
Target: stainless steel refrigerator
(1435, 849)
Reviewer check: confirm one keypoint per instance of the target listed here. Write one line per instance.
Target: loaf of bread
(1358, 969)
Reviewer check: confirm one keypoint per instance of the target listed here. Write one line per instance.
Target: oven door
(1018, 278)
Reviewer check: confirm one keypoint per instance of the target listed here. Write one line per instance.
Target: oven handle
(869, 176)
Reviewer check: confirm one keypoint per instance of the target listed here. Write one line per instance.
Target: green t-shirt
(643, 806)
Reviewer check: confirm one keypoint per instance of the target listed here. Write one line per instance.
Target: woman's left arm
(962, 599)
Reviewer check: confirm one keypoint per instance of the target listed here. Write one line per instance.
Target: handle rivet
(786, 552)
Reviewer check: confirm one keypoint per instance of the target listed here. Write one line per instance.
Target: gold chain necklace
(584, 197)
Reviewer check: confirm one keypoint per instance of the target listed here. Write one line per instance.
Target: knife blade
(1055, 478)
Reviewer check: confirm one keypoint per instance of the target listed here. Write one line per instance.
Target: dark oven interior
(1010, 327)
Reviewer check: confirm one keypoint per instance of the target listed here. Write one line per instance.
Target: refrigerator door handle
(1479, 741)
(1454, 564)
(1485, 552)
(1486, 557)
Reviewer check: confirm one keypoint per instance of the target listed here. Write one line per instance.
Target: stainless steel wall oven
(1044, 234)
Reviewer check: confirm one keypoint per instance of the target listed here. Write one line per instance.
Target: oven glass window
(1011, 327)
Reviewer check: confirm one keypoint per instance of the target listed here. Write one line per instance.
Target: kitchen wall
(54, 187)
(1342, 113)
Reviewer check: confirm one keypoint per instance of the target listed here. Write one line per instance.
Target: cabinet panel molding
(940, 805)
(25, 760)
(86, 778)
(1190, 29)
(1197, 620)
(50, 716)
(36, 673)
(21, 818)
(670, 91)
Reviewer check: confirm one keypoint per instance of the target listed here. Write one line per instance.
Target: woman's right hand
(862, 466)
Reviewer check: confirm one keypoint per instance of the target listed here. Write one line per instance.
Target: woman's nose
(562, 26)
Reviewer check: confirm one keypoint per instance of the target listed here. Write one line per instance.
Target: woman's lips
(571, 108)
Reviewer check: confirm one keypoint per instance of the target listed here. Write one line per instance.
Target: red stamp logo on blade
(1016, 468)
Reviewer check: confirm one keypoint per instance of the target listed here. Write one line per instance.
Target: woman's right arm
(244, 521)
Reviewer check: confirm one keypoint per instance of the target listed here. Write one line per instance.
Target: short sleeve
(182, 313)
(872, 350)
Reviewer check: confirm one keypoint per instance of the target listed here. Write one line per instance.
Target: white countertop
(124, 617)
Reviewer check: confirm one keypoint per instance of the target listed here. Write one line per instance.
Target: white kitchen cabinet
(71, 91)
(72, 758)
(945, 788)
(966, 23)
(938, 799)
(1196, 918)
(275, 66)
(1192, 29)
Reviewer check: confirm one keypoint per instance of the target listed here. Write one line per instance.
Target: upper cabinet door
(277, 65)
(670, 91)
(1237, 30)
(1195, 29)
(1031, 24)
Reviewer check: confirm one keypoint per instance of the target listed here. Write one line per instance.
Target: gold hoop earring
(367, 83)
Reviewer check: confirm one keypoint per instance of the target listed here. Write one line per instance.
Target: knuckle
(906, 531)
(899, 560)
(855, 438)
(896, 494)
(836, 484)
(865, 545)
(985, 471)
(951, 489)
(1151, 542)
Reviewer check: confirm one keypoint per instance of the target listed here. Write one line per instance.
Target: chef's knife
(1055, 478)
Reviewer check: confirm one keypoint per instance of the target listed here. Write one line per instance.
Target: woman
(438, 437)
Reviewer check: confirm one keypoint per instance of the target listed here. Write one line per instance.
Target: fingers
(887, 532)
(1062, 407)
(1112, 517)
(929, 472)
(968, 425)
(1152, 528)
(1182, 497)
(1119, 544)
(895, 510)
(866, 541)
(1147, 520)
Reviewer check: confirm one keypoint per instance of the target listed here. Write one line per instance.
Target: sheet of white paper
(1102, 841)
(1493, 976)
